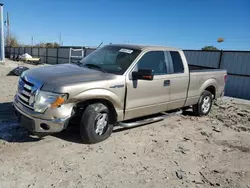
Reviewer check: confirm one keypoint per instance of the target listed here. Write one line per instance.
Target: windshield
(111, 59)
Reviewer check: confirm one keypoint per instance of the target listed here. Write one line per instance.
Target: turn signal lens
(58, 102)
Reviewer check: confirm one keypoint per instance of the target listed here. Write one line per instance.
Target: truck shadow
(71, 134)
(10, 130)
(188, 113)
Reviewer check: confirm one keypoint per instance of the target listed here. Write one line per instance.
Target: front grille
(26, 92)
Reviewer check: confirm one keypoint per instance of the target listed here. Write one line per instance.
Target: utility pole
(60, 39)
(8, 29)
(2, 55)
(32, 41)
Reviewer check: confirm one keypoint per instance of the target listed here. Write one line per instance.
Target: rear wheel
(95, 123)
(203, 107)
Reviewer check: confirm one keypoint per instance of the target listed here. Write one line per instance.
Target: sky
(186, 24)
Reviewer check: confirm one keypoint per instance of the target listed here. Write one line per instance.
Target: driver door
(146, 97)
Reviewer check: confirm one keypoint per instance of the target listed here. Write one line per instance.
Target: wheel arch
(81, 106)
(212, 90)
(209, 85)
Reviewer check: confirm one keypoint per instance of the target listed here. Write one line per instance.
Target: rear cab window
(175, 62)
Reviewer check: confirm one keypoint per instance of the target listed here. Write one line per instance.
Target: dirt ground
(181, 151)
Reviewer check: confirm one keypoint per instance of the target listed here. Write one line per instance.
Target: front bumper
(38, 125)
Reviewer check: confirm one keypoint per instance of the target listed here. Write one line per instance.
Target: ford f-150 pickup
(116, 85)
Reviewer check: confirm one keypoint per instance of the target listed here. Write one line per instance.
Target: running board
(145, 121)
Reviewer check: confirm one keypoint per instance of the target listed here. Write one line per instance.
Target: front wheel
(95, 123)
(203, 107)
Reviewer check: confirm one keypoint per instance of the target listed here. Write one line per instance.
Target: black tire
(88, 125)
(199, 109)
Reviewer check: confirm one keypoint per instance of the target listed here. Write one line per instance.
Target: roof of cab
(145, 47)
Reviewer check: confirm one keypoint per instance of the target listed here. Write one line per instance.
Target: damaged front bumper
(38, 123)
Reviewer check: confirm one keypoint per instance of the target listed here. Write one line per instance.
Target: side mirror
(143, 74)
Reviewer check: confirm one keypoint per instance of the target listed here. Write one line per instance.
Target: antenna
(32, 41)
(60, 39)
(2, 56)
(99, 45)
(8, 29)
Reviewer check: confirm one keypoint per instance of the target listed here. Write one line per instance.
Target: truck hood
(63, 75)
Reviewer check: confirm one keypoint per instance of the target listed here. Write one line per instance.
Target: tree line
(13, 42)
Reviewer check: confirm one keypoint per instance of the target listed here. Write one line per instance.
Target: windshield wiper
(94, 66)
(78, 63)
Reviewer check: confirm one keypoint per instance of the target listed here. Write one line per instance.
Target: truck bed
(200, 75)
(197, 68)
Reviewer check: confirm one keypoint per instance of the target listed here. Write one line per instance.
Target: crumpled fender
(117, 102)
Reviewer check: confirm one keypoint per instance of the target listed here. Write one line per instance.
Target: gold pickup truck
(116, 85)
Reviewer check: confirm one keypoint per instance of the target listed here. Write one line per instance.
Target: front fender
(101, 94)
(118, 102)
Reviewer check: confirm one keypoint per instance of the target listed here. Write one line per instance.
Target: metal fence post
(85, 52)
(57, 53)
(46, 55)
(2, 59)
(220, 59)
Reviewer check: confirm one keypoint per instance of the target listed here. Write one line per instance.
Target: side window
(155, 61)
(177, 62)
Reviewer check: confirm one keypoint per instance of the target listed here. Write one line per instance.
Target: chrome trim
(139, 123)
(26, 93)
(23, 98)
(24, 103)
(27, 87)
(148, 120)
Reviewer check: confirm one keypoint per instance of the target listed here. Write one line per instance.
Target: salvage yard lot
(181, 151)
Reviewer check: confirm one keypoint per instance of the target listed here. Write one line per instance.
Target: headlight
(44, 100)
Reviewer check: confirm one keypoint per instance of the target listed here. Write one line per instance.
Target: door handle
(166, 83)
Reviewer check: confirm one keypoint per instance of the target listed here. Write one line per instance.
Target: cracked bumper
(39, 125)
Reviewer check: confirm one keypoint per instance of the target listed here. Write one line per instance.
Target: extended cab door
(179, 78)
(146, 97)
